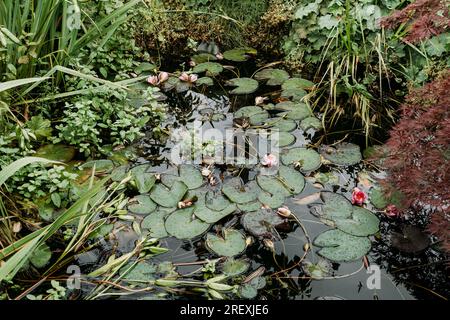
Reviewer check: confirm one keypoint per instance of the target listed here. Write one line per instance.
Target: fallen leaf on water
(308, 199)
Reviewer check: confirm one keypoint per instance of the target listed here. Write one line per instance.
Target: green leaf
(234, 267)
(342, 154)
(282, 139)
(154, 222)
(238, 54)
(261, 223)
(144, 179)
(144, 67)
(335, 206)
(211, 68)
(16, 83)
(231, 243)
(307, 159)
(141, 204)
(41, 256)
(238, 193)
(166, 197)
(207, 81)
(311, 122)
(56, 152)
(281, 124)
(274, 77)
(244, 85)
(182, 224)
(295, 88)
(339, 246)
(56, 199)
(362, 223)
(291, 179)
(12, 168)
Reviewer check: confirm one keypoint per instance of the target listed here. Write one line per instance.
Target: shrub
(419, 153)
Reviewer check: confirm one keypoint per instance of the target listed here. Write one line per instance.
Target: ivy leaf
(328, 21)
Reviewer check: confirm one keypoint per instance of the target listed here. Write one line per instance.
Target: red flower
(358, 196)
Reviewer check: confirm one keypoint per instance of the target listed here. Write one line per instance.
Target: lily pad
(56, 152)
(311, 123)
(273, 185)
(295, 88)
(282, 139)
(101, 166)
(231, 243)
(191, 176)
(244, 85)
(292, 179)
(212, 216)
(250, 206)
(239, 193)
(238, 54)
(336, 206)
(286, 125)
(343, 154)
(271, 200)
(119, 173)
(261, 223)
(143, 178)
(207, 81)
(182, 224)
(142, 272)
(274, 77)
(154, 222)
(234, 267)
(216, 201)
(300, 113)
(41, 256)
(339, 246)
(362, 223)
(203, 57)
(141, 204)
(211, 68)
(411, 239)
(308, 159)
(317, 270)
(166, 197)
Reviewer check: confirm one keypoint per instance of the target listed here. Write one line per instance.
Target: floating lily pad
(286, 125)
(339, 246)
(238, 54)
(212, 216)
(411, 239)
(203, 57)
(271, 200)
(191, 176)
(250, 206)
(141, 204)
(295, 88)
(308, 159)
(143, 178)
(336, 206)
(238, 193)
(274, 77)
(119, 173)
(317, 270)
(216, 201)
(273, 185)
(56, 152)
(311, 123)
(142, 272)
(211, 68)
(41, 256)
(244, 85)
(292, 179)
(154, 222)
(234, 267)
(377, 198)
(343, 154)
(362, 223)
(207, 81)
(282, 139)
(101, 166)
(166, 197)
(300, 113)
(182, 224)
(261, 223)
(231, 243)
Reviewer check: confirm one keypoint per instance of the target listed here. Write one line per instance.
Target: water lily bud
(219, 56)
(392, 211)
(153, 80)
(193, 78)
(192, 63)
(163, 76)
(249, 241)
(284, 212)
(269, 244)
(184, 77)
(306, 247)
(260, 100)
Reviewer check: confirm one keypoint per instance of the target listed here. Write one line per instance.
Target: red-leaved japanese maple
(424, 18)
(419, 152)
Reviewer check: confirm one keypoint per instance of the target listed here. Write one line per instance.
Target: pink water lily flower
(188, 78)
(219, 56)
(269, 160)
(284, 212)
(358, 196)
(163, 76)
(153, 80)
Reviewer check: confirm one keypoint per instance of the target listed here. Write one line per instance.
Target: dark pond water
(403, 276)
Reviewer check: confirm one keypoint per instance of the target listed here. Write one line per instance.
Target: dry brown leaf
(308, 199)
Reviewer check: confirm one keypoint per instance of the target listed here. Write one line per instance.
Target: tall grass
(37, 35)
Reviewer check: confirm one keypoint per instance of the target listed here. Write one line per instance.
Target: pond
(219, 214)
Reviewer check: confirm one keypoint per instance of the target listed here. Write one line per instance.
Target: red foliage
(425, 18)
(419, 152)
